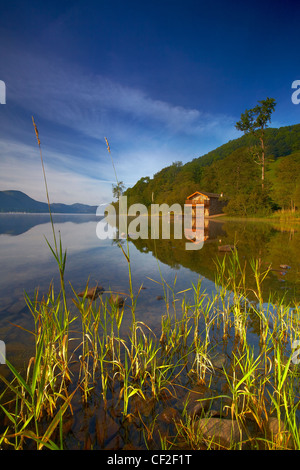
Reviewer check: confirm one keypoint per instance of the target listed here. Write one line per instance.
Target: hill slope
(280, 142)
(229, 169)
(17, 201)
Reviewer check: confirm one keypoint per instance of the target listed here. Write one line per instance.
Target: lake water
(27, 264)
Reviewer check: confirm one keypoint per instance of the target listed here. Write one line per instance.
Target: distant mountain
(17, 201)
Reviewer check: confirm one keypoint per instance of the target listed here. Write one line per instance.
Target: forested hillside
(232, 169)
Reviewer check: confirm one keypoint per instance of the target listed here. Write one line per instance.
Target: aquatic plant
(202, 361)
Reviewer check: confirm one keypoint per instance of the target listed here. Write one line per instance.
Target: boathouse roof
(204, 193)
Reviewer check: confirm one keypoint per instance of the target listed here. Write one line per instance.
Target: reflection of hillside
(16, 224)
(173, 252)
(255, 240)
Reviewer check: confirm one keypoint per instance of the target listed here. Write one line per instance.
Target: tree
(254, 121)
(118, 189)
(237, 174)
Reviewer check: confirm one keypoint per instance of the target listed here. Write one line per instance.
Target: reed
(143, 363)
(260, 383)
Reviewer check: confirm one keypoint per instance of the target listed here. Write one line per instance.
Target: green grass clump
(140, 383)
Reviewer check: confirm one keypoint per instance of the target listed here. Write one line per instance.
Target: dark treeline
(232, 170)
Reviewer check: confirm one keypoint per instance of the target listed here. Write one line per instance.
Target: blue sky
(163, 80)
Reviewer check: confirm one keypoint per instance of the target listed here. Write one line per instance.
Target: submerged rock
(219, 361)
(117, 300)
(273, 427)
(106, 427)
(142, 406)
(92, 293)
(276, 432)
(198, 401)
(226, 248)
(169, 415)
(220, 433)
(202, 403)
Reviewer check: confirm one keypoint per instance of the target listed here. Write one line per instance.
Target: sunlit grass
(86, 354)
(260, 383)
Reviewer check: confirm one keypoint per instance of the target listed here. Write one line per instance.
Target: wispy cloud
(93, 104)
(78, 109)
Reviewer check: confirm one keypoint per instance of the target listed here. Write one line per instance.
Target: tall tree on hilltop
(254, 121)
(118, 189)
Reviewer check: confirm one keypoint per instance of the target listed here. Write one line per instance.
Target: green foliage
(233, 175)
(257, 202)
(287, 182)
(232, 169)
(255, 120)
(118, 189)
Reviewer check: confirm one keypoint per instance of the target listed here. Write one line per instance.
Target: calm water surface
(27, 264)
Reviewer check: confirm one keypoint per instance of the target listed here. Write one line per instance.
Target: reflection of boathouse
(209, 231)
(195, 233)
(213, 203)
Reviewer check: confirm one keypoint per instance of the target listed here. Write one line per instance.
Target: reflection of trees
(173, 251)
(262, 240)
(255, 240)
